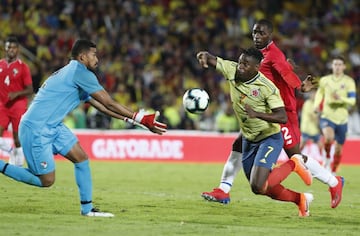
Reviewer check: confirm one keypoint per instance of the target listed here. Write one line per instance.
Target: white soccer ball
(196, 100)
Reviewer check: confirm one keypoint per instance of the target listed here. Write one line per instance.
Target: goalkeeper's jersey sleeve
(61, 93)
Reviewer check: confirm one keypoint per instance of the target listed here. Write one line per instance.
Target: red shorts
(12, 115)
(291, 130)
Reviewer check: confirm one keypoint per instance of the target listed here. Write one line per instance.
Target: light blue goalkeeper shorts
(40, 145)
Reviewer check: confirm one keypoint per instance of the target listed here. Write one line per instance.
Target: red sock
(278, 192)
(320, 151)
(278, 174)
(336, 163)
(327, 148)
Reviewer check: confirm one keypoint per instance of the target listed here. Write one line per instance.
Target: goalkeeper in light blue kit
(43, 134)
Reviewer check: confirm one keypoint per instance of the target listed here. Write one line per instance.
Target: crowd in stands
(147, 48)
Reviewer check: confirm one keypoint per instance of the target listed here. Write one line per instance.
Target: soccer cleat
(304, 204)
(336, 192)
(217, 195)
(96, 213)
(301, 169)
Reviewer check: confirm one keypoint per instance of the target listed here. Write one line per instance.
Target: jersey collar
(267, 46)
(253, 79)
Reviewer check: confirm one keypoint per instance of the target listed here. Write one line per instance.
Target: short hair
(254, 53)
(267, 23)
(12, 39)
(339, 57)
(80, 46)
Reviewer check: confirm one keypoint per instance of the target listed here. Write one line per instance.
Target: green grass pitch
(164, 199)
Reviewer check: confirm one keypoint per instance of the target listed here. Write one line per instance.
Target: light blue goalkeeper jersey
(61, 93)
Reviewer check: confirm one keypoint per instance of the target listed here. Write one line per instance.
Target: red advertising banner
(174, 146)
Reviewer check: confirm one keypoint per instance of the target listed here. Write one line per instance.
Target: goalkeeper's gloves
(149, 121)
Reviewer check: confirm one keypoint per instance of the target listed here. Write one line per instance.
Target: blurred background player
(276, 68)
(225, 121)
(259, 108)
(338, 93)
(15, 88)
(309, 125)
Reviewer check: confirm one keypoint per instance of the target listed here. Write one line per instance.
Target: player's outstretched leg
(84, 182)
(217, 195)
(20, 174)
(231, 168)
(335, 183)
(336, 192)
(304, 204)
(301, 169)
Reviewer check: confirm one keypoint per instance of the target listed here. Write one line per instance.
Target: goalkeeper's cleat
(301, 169)
(217, 195)
(336, 192)
(304, 204)
(96, 213)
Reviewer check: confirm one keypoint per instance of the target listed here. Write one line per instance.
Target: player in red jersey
(276, 68)
(15, 87)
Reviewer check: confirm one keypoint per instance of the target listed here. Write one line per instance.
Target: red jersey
(14, 76)
(275, 67)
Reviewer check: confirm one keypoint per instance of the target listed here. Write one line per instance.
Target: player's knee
(256, 188)
(47, 181)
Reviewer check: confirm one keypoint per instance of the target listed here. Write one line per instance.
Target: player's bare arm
(309, 83)
(278, 115)
(103, 109)
(205, 59)
(107, 105)
(104, 98)
(23, 93)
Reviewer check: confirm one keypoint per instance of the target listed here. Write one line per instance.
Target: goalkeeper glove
(149, 121)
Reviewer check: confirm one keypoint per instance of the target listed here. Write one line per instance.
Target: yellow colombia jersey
(309, 121)
(260, 93)
(336, 110)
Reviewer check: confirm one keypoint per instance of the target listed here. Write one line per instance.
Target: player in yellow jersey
(276, 68)
(338, 91)
(259, 109)
(309, 126)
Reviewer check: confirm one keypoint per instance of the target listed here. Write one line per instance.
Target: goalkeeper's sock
(84, 183)
(320, 172)
(231, 168)
(20, 174)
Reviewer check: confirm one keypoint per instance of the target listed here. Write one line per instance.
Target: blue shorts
(264, 153)
(340, 130)
(306, 137)
(39, 146)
